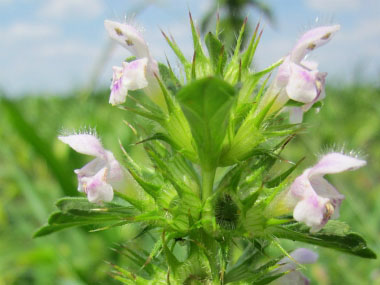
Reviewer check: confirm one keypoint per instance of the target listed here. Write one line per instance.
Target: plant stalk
(208, 176)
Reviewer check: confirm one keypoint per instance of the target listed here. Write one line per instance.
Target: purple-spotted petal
(312, 39)
(129, 37)
(336, 162)
(119, 88)
(131, 76)
(85, 144)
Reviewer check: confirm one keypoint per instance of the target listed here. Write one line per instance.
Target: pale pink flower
(98, 177)
(131, 76)
(313, 199)
(299, 79)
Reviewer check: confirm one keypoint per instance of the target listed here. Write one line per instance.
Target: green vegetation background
(36, 169)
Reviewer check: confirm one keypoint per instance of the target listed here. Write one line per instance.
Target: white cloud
(26, 31)
(60, 9)
(334, 5)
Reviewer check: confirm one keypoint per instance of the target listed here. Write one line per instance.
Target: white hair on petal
(318, 22)
(341, 149)
(130, 20)
(85, 130)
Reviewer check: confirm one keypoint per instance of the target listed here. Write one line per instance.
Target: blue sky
(53, 45)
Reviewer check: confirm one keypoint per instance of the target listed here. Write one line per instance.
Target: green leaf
(233, 67)
(59, 221)
(81, 206)
(196, 38)
(334, 235)
(49, 229)
(207, 104)
(186, 64)
(168, 77)
(247, 56)
(80, 212)
(292, 103)
(216, 52)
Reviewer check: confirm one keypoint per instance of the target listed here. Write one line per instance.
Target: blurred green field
(36, 169)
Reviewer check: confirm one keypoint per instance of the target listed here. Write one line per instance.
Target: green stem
(208, 176)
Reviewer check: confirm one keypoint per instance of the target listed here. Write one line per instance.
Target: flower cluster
(212, 147)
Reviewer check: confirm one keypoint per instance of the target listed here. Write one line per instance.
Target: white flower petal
(129, 37)
(134, 73)
(131, 76)
(311, 211)
(283, 73)
(301, 86)
(312, 39)
(119, 87)
(98, 190)
(85, 144)
(336, 162)
(323, 188)
(116, 173)
(309, 64)
(90, 169)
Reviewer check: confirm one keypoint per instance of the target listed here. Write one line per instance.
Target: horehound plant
(209, 196)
